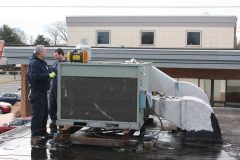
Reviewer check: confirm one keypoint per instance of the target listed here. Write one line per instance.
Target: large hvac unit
(102, 94)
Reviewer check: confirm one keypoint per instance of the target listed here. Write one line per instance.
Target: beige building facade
(177, 32)
(160, 32)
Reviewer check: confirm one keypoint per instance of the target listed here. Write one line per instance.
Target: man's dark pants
(39, 104)
(53, 105)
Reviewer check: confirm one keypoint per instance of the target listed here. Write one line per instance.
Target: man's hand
(52, 75)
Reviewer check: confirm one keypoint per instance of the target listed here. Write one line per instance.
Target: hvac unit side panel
(99, 98)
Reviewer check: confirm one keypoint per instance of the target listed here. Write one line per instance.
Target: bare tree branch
(58, 32)
(21, 34)
(63, 30)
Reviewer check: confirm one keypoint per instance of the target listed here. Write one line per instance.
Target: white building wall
(165, 36)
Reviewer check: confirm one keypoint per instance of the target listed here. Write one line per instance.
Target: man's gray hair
(38, 49)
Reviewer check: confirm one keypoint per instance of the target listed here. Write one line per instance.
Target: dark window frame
(109, 37)
(200, 38)
(154, 38)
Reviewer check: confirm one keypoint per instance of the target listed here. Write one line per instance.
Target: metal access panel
(99, 94)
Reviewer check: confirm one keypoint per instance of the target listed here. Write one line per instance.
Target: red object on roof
(5, 128)
(1, 48)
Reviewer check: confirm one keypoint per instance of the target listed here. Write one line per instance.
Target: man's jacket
(53, 68)
(38, 74)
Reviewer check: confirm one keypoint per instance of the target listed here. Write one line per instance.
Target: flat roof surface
(16, 145)
(152, 20)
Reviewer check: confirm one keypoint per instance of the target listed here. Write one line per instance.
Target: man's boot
(53, 127)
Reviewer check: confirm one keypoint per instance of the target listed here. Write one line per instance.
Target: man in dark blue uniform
(59, 56)
(39, 77)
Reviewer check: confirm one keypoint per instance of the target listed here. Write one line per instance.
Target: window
(17, 122)
(12, 96)
(103, 37)
(233, 93)
(18, 96)
(147, 38)
(6, 95)
(193, 38)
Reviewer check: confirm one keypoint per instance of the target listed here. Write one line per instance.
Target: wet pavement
(8, 84)
(16, 145)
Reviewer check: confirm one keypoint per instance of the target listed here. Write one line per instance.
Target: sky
(33, 15)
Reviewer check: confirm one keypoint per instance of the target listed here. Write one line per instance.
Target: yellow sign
(76, 57)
